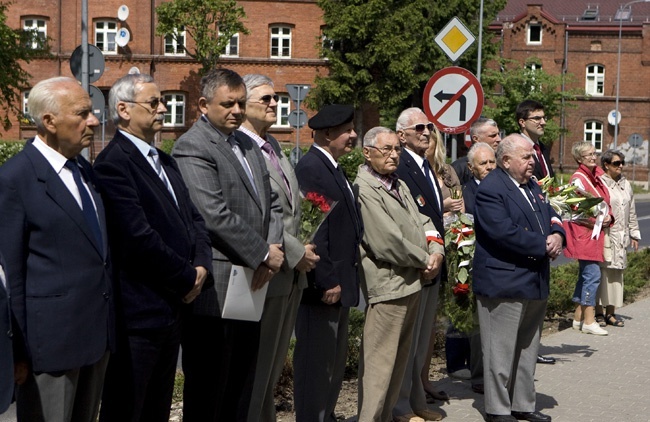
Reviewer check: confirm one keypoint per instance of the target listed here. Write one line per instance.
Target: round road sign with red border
(453, 99)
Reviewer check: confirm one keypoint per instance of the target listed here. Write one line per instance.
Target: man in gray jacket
(400, 247)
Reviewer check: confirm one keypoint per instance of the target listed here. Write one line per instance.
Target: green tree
(513, 82)
(16, 47)
(382, 52)
(210, 23)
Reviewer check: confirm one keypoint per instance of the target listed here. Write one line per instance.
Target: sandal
(600, 319)
(614, 320)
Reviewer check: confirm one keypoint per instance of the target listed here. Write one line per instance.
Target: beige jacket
(394, 247)
(626, 226)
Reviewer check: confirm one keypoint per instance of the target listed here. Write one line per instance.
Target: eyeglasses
(154, 103)
(386, 151)
(266, 99)
(593, 154)
(420, 127)
(538, 119)
(618, 163)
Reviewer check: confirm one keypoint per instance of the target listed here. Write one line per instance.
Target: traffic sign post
(453, 99)
(297, 118)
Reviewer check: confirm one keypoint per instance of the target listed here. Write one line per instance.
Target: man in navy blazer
(333, 286)
(517, 234)
(414, 131)
(161, 252)
(6, 352)
(55, 246)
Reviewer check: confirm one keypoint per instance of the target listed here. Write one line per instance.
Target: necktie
(427, 174)
(87, 207)
(275, 162)
(235, 148)
(540, 158)
(533, 204)
(153, 153)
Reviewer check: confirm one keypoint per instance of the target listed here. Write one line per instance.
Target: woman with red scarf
(585, 239)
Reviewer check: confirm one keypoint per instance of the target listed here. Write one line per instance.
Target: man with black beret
(322, 323)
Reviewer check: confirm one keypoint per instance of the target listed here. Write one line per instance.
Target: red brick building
(581, 38)
(282, 44)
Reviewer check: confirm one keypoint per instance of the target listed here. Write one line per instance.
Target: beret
(331, 116)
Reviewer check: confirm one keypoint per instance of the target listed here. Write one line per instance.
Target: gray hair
(608, 156)
(476, 127)
(475, 148)
(254, 80)
(370, 138)
(579, 148)
(126, 89)
(508, 146)
(44, 98)
(405, 117)
(217, 78)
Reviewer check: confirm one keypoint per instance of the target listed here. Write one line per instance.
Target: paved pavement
(595, 378)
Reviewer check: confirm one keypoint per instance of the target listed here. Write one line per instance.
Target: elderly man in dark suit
(229, 183)
(481, 161)
(285, 288)
(517, 234)
(414, 131)
(482, 130)
(6, 353)
(55, 246)
(322, 324)
(161, 253)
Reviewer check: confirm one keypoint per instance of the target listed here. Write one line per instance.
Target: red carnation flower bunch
(315, 208)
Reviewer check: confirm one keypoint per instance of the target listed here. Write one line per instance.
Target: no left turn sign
(453, 99)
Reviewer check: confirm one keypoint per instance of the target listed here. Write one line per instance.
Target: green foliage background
(8, 149)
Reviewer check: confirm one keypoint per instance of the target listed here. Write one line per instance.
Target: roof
(575, 11)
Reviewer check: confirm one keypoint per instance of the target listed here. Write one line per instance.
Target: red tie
(540, 158)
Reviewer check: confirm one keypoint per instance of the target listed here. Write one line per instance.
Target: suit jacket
(510, 259)
(469, 195)
(412, 175)
(241, 222)
(462, 171)
(294, 250)
(156, 244)
(537, 172)
(6, 353)
(338, 238)
(59, 277)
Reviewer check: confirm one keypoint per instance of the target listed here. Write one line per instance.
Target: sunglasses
(420, 127)
(618, 163)
(266, 99)
(154, 103)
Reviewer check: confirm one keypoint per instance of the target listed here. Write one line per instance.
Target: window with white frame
(105, 33)
(595, 82)
(175, 42)
(39, 28)
(283, 110)
(175, 115)
(280, 42)
(232, 48)
(594, 134)
(26, 119)
(534, 33)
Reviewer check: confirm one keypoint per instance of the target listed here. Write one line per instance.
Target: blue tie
(88, 209)
(427, 175)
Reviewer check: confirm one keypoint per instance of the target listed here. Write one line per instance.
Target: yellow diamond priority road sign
(454, 39)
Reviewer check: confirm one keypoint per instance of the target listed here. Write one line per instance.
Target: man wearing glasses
(414, 132)
(399, 251)
(532, 121)
(161, 251)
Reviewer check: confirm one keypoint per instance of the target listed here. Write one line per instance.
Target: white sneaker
(593, 328)
(577, 325)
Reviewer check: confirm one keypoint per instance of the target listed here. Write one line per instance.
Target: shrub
(166, 145)
(351, 162)
(8, 149)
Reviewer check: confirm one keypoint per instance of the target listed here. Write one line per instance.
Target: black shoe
(545, 359)
(478, 388)
(531, 416)
(499, 418)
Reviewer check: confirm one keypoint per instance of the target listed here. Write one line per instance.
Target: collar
(327, 154)
(418, 160)
(254, 136)
(390, 181)
(141, 145)
(225, 137)
(55, 158)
